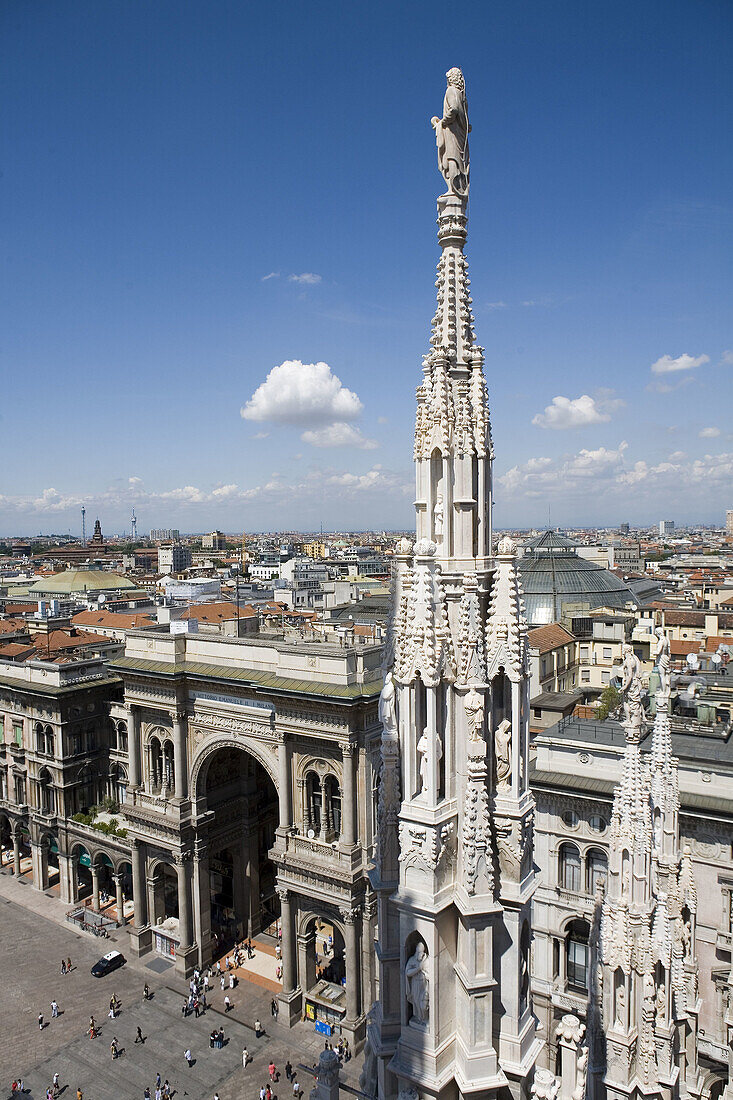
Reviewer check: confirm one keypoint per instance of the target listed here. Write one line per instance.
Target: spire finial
(451, 135)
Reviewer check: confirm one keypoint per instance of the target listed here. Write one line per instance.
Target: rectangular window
(578, 964)
(18, 732)
(584, 653)
(537, 712)
(607, 653)
(605, 677)
(585, 675)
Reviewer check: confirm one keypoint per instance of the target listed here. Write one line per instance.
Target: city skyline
(223, 334)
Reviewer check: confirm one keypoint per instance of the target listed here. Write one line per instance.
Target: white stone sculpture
(620, 1005)
(451, 135)
(438, 512)
(474, 705)
(631, 691)
(503, 750)
(427, 746)
(417, 984)
(387, 711)
(662, 661)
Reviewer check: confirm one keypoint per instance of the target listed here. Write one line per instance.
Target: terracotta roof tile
(545, 638)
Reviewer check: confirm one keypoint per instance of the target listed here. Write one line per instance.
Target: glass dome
(555, 577)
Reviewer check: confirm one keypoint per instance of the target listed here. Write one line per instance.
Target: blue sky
(161, 159)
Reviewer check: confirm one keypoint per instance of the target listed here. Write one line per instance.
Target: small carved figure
(416, 982)
(631, 692)
(620, 1005)
(661, 1005)
(474, 705)
(387, 711)
(503, 750)
(438, 518)
(451, 135)
(662, 660)
(427, 746)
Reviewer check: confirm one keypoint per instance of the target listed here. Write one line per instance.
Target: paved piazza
(33, 944)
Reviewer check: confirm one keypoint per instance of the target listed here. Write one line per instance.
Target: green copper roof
(256, 678)
(80, 580)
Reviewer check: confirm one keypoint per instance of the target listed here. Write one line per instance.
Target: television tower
(83, 526)
(133, 527)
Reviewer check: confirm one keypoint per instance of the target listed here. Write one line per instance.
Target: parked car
(109, 962)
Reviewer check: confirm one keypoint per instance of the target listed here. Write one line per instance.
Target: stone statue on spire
(451, 135)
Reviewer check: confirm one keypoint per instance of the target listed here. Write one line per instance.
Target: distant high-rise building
(214, 541)
(729, 522)
(174, 559)
(165, 534)
(623, 528)
(666, 527)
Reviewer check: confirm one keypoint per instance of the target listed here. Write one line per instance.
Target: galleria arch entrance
(240, 803)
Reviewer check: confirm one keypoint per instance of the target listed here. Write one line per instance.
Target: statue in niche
(662, 660)
(648, 993)
(620, 1005)
(503, 751)
(451, 135)
(416, 982)
(631, 692)
(474, 706)
(387, 711)
(426, 746)
(438, 513)
(661, 1006)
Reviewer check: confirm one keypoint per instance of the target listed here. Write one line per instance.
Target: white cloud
(667, 365)
(307, 278)
(658, 386)
(272, 275)
(134, 481)
(302, 393)
(577, 412)
(496, 305)
(260, 435)
(338, 435)
(727, 358)
(709, 433)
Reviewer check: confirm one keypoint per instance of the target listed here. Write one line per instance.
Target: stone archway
(236, 796)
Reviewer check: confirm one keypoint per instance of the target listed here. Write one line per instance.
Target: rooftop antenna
(83, 526)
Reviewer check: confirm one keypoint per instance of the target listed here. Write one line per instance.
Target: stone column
(118, 899)
(570, 1033)
(133, 746)
(139, 895)
(180, 762)
(324, 809)
(67, 879)
(352, 964)
(283, 783)
(16, 854)
(95, 887)
(348, 797)
(184, 903)
(304, 807)
(37, 861)
(288, 941)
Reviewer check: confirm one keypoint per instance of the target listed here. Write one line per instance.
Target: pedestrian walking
(56, 1083)
(216, 1096)
(139, 1036)
(223, 982)
(231, 981)
(227, 1003)
(40, 1021)
(158, 1094)
(79, 1095)
(273, 1072)
(187, 1056)
(113, 1048)
(63, 966)
(157, 1080)
(218, 967)
(54, 1010)
(258, 1028)
(206, 982)
(273, 1008)
(196, 1008)
(166, 1090)
(146, 1094)
(288, 1070)
(262, 1093)
(296, 1088)
(68, 966)
(184, 1008)
(245, 1058)
(268, 1092)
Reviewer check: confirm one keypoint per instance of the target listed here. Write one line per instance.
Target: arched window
(40, 739)
(578, 954)
(596, 869)
(168, 767)
(155, 764)
(314, 802)
(47, 802)
(50, 741)
(570, 868)
(122, 736)
(333, 804)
